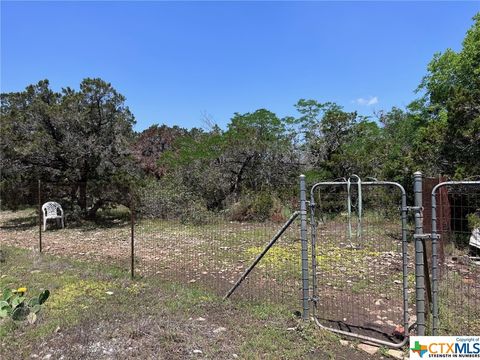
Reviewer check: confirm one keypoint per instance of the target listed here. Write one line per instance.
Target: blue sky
(177, 61)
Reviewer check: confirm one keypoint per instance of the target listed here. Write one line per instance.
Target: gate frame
(314, 297)
(434, 237)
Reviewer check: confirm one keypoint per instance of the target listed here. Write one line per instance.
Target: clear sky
(176, 61)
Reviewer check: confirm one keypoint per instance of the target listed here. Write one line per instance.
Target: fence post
(303, 237)
(419, 264)
(40, 215)
(435, 319)
(132, 235)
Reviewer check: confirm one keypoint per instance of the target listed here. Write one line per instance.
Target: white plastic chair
(52, 210)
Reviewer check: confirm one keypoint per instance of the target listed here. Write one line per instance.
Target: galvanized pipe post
(419, 264)
(303, 237)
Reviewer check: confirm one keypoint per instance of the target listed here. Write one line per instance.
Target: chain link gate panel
(359, 260)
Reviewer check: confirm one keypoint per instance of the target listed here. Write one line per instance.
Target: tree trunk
(92, 212)
(82, 200)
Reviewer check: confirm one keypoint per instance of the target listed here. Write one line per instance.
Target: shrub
(259, 206)
(170, 199)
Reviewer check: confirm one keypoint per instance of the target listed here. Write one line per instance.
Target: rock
(379, 302)
(344, 342)
(200, 319)
(219, 330)
(109, 292)
(369, 349)
(396, 354)
(399, 331)
(235, 356)
(197, 351)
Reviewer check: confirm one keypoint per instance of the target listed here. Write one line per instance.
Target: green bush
(260, 206)
(170, 199)
(474, 220)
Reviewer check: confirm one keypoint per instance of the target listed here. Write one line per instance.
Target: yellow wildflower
(22, 290)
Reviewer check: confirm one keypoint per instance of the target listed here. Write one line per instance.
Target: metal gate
(456, 275)
(359, 262)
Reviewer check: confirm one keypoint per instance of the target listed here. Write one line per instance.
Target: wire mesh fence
(359, 285)
(458, 250)
(360, 258)
(213, 251)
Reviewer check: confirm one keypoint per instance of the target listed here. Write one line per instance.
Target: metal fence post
(132, 235)
(303, 237)
(40, 215)
(434, 266)
(419, 264)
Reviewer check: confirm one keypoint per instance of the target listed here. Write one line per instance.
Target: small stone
(235, 356)
(192, 281)
(344, 342)
(379, 302)
(219, 330)
(291, 329)
(200, 319)
(197, 351)
(109, 292)
(57, 329)
(396, 354)
(369, 349)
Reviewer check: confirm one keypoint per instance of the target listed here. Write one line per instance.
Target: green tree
(77, 137)
(452, 101)
(326, 129)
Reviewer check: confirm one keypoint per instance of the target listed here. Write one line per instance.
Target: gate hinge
(426, 236)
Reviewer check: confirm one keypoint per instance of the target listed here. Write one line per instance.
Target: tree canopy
(85, 138)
